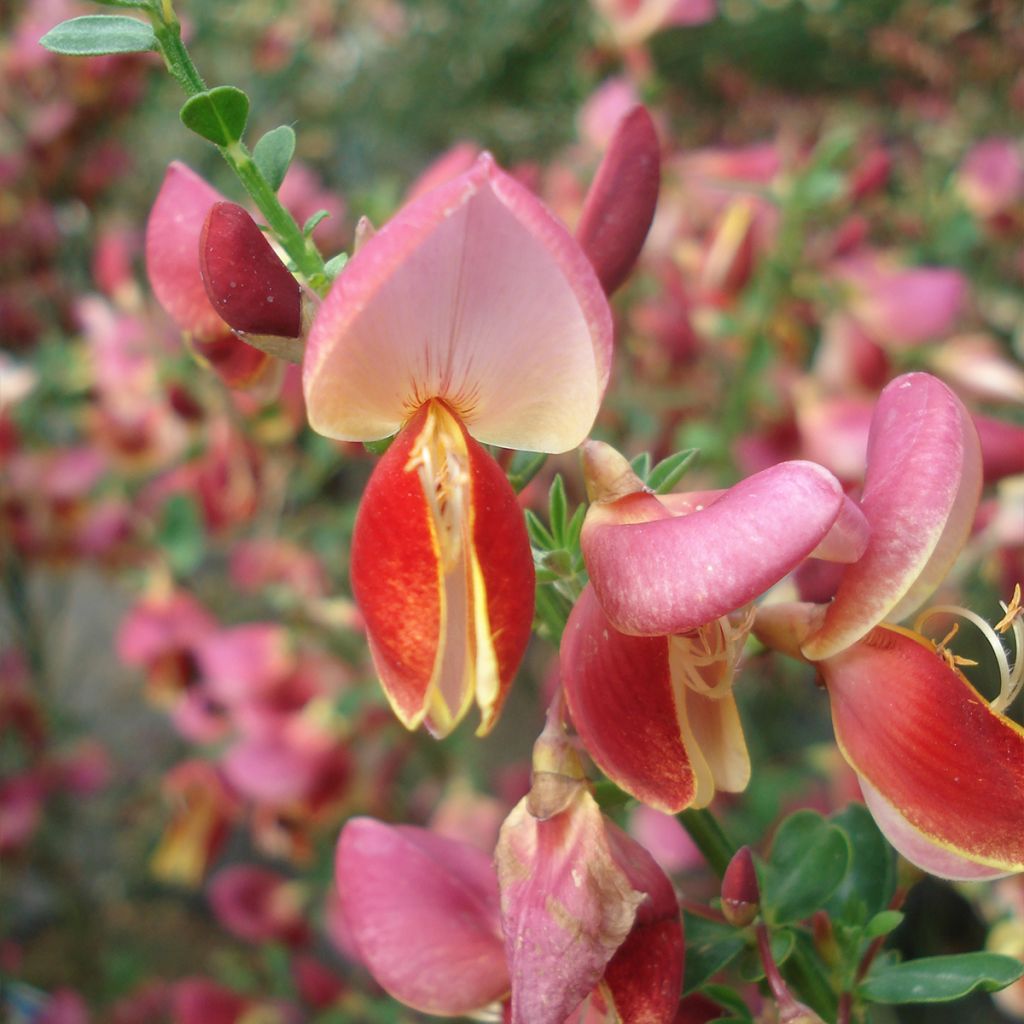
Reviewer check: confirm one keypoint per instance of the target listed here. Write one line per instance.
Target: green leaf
(808, 862)
(641, 465)
(273, 153)
(97, 34)
(710, 946)
(558, 509)
(871, 881)
(539, 535)
(180, 533)
(574, 528)
(379, 447)
(667, 473)
(219, 115)
(525, 466)
(726, 997)
(940, 979)
(883, 923)
(335, 265)
(310, 226)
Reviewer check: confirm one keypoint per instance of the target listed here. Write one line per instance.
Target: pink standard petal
(674, 574)
(473, 293)
(423, 911)
(920, 495)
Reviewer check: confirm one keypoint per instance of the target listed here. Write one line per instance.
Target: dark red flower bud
(246, 282)
(741, 895)
(619, 207)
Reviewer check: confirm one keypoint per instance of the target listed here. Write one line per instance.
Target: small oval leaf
(218, 115)
(95, 35)
(940, 979)
(273, 153)
(809, 860)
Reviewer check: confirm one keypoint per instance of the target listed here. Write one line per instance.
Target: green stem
(302, 252)
(711, 840)
(805, 970)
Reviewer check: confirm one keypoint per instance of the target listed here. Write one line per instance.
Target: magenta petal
(619, 207)
(474, 294)
(423, 911)
(245, 280)
(674, 574)
(920, 494)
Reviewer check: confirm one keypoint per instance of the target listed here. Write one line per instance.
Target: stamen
(715, 645)
(1011, 678)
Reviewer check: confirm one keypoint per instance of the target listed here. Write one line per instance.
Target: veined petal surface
(920, 735)
(920, 494)
(676, 573)
(474, 293)
(442, 572)
(424, 913)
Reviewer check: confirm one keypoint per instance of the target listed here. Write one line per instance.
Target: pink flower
(940, 768)
(651, 647)
(470, 317)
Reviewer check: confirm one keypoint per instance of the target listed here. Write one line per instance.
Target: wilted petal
(442, 572)
(645, 976)
(920, 495)
(620, 203)
(920, 735)
(676, 573)
(423, 911)
(566, 907)
(474, 294)
(620, 688)
(248, 285)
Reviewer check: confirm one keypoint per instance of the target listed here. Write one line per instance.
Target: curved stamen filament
(715, 646)
(1011, 677)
